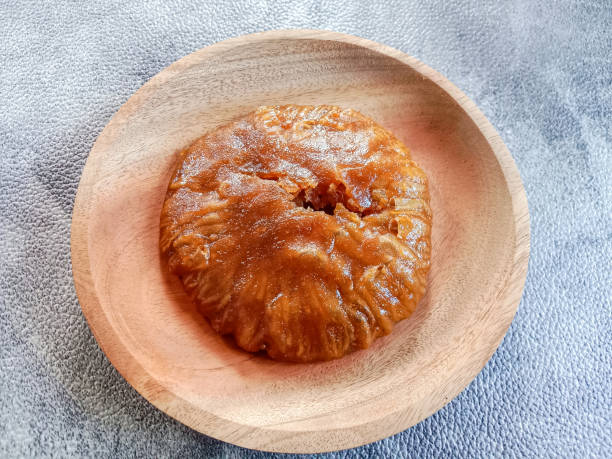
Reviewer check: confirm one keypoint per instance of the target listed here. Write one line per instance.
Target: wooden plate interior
(150, 331)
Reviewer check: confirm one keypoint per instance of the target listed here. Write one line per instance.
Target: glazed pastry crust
(303, 231)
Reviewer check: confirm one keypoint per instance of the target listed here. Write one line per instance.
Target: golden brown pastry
(302, 231)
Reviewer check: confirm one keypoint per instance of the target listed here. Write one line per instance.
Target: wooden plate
(146, 325)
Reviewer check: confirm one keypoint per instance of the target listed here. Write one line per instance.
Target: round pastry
(303, 231)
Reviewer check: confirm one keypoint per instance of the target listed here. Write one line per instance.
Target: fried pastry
(303, 231)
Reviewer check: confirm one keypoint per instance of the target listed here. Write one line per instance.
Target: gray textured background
(540, 71)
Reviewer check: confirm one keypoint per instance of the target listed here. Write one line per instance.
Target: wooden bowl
(149, 330)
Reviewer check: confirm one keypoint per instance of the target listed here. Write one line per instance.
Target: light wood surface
(150, 331)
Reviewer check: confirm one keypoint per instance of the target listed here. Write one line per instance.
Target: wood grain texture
(148, 328)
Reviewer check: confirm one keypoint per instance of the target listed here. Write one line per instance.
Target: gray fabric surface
(540, 71)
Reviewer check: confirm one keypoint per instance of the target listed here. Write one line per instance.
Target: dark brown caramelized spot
(303, 231)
